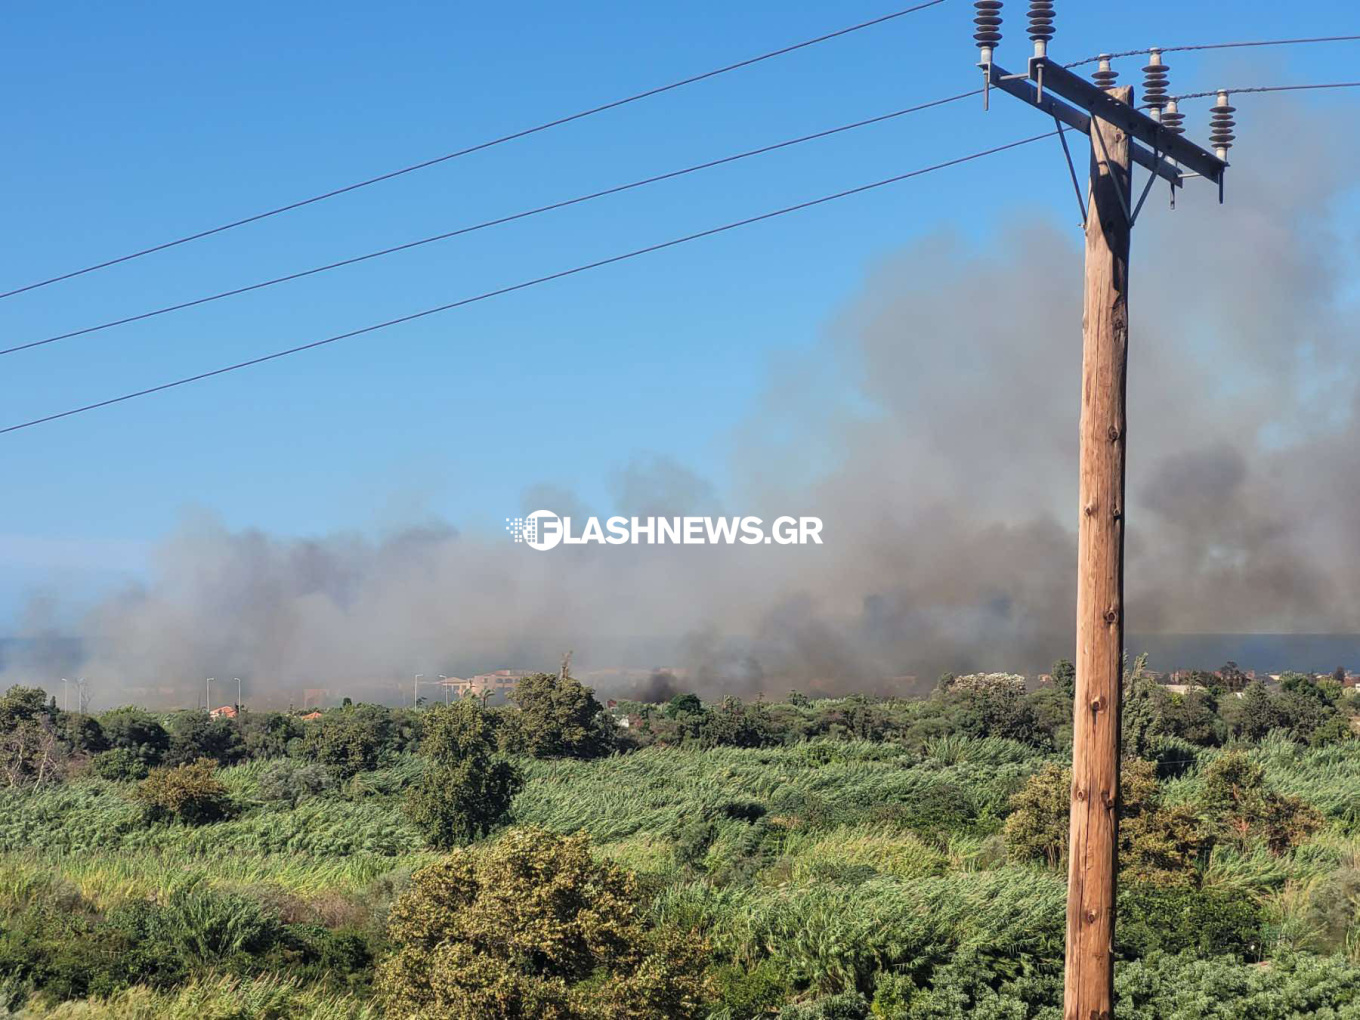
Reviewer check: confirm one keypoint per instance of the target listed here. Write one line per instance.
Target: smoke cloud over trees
(934, 431)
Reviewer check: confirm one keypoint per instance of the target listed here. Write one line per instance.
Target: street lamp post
(238, 695)
(207, 693)
(415, 692)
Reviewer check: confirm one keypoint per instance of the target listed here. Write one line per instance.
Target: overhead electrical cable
(1213, 46)
(485, 224)
(526, 284)
(1270, 88)
(479, 147)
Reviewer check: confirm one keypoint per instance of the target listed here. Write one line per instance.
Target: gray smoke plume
(935, 432)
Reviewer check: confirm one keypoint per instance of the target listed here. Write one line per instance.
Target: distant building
(225, 712)
(501, 681)
(310, 716)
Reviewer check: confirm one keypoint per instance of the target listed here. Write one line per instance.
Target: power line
(485, 224)
(526, 284)
(615, 104)
(1214, 46)
(1269, 88)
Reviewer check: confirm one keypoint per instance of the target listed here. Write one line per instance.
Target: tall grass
(97, 815)
(830, 937)
(656, 789)
(105, 879)
(225, 998)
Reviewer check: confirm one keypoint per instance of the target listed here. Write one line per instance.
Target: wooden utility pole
(1093, 860)
(1121, 135)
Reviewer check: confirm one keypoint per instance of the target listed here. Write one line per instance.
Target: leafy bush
(1167, 986)
(187, 793)
(734, 723)
(121, 764)
(352, 740)
(1037, 828)
(1208, 922)
(749, 994)
(194, 735)
(532, 926)
(289, 782)
(138, 731)
(1245, 808)
(1156, 842)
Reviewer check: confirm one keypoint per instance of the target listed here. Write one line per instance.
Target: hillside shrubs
(188, 793)
(848, 857)
(288, 782)
(533, 927)
(120, 764)
(1245, 808)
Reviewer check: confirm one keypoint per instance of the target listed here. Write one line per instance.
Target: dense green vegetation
(808, 859)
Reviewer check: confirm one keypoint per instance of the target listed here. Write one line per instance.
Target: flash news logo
(544, 529)
(541, 530)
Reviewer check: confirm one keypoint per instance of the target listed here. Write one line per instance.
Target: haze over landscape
(932, 428)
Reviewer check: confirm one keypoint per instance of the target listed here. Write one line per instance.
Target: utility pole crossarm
(1098, 102)
(1027, 91)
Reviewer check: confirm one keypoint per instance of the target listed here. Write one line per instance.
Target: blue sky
(134, 123)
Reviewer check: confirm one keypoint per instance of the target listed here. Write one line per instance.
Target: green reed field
(846, 858)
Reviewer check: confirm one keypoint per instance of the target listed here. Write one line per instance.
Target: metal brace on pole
(1072, 168)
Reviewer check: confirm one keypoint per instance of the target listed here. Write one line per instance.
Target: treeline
(553, 717)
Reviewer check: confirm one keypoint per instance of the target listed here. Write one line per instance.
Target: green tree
(1243, 808)
(560, 718)
(1233, 678)
(1334, 731)
(119, 764)
(688, 704)
(138, 731)
(195, 735)
(1156, 843)
(352, 740)
(1038, 824)
(533, 928)
(1254, 714)
(467, 790)
(269, 734)
(1065, 676)
(1209, 922)
(1193, 716)
(1143, 716)
(21, 704)
(82, 733)
(733, 723)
